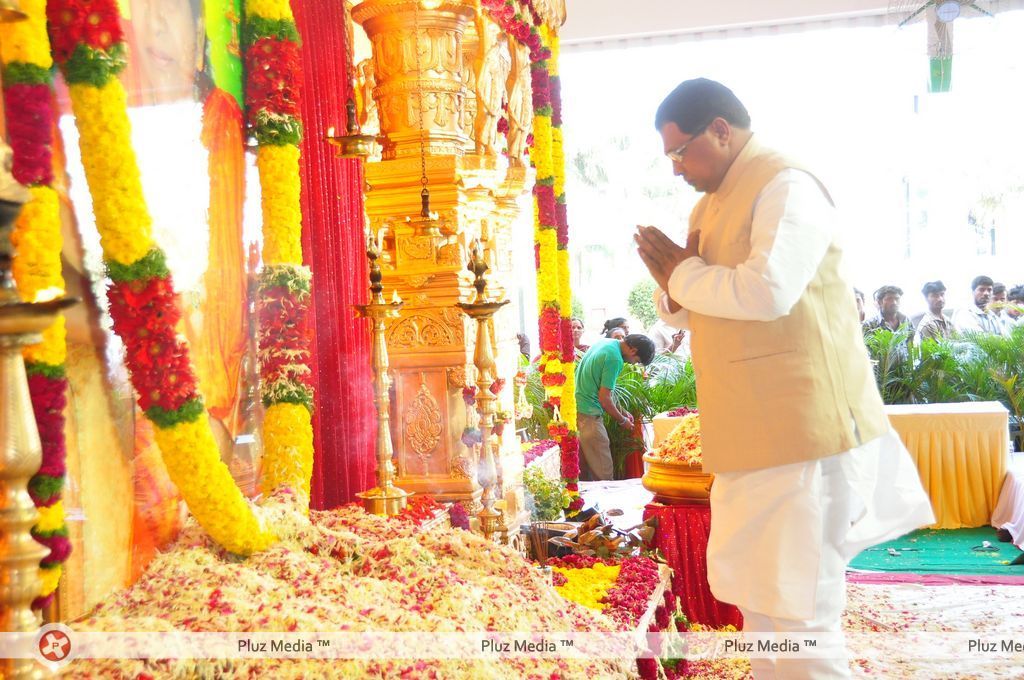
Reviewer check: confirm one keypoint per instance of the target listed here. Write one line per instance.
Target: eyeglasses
(679, 152)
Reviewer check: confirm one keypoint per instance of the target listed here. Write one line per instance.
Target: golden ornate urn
(674, 483)
(418, 68)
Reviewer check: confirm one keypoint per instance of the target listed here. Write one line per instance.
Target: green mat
(943, 551)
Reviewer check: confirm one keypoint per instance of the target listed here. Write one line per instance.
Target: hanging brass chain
(425, 193)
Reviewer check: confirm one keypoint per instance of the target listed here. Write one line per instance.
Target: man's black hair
(695, 103)
(1016, 294)
(933, 287)
(643, 345)
(887, 290)
(998, 288)
(981, 281)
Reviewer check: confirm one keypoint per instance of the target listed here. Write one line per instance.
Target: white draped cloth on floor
(1009, 511)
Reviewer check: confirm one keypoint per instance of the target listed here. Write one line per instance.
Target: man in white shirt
(978, 318)
(807, 469)
(668, 340)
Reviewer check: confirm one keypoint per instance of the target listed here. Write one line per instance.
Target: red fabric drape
(333, 244)
(682, 536)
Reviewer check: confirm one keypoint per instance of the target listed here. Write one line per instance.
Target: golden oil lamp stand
(385, 498)
(482, 311)
(352, 144)
(21, 323)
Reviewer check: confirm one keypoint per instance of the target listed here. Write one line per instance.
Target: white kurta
(767, 537)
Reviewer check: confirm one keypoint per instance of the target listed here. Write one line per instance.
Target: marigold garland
(519, 19)
(273, 75)
(28, 104)
(89, 47)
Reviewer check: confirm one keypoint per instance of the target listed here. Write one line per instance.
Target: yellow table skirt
(961, 452)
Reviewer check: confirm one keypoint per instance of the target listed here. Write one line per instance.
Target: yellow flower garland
(282, 209)
(37, 240)
(51, 517)
(286, 430)
(269, 9)
(193, 462)
(188, 449)
(50, 577)
(37, 269)
(26, 40)
(540, 154)
(558, 160)
(547, 275)
(122, 217)
(287, 427)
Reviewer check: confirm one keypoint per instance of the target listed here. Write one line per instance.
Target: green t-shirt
(598, 368)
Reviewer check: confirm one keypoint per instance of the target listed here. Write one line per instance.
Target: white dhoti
(781, 538)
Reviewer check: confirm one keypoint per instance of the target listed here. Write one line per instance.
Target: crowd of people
(996, 310)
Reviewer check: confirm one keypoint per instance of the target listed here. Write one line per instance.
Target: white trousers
(837, 504)
(781, 539)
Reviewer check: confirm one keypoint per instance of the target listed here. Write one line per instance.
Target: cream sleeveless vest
(777, 392)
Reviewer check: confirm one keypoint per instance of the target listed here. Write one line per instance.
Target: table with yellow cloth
(961, 452)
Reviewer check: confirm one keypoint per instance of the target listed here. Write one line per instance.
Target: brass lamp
(482, 311)
(10, 11)
(21, 323)
(353, 144)
(385, 498)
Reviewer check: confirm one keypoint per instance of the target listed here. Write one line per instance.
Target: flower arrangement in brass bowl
(675, 472)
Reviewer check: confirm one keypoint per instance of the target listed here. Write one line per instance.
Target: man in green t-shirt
(596, 374)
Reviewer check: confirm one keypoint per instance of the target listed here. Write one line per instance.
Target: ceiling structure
(597, 24)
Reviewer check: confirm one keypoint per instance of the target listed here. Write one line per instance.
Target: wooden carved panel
(423, 424)
(424, 329)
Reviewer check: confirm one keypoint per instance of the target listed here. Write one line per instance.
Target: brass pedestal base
(387, 502)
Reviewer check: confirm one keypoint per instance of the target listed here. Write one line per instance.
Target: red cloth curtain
(333, 244)
(682, 536)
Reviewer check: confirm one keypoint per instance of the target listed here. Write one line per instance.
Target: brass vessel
(676, 483)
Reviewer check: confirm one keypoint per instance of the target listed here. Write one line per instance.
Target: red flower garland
(284, 328)
(550, 327)
(49, 397)
(269, 64)
(29, 127)
(546, 203)
(100, 29)
(144, 313)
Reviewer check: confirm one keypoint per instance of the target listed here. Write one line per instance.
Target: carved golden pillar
(405, 80)
(431, 346)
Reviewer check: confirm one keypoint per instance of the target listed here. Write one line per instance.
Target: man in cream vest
(807, 469)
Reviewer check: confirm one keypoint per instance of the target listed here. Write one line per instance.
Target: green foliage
(641, 302)
(546, 498)
(971, 367)
(577, 307)
(622, 442)
(536, 425)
